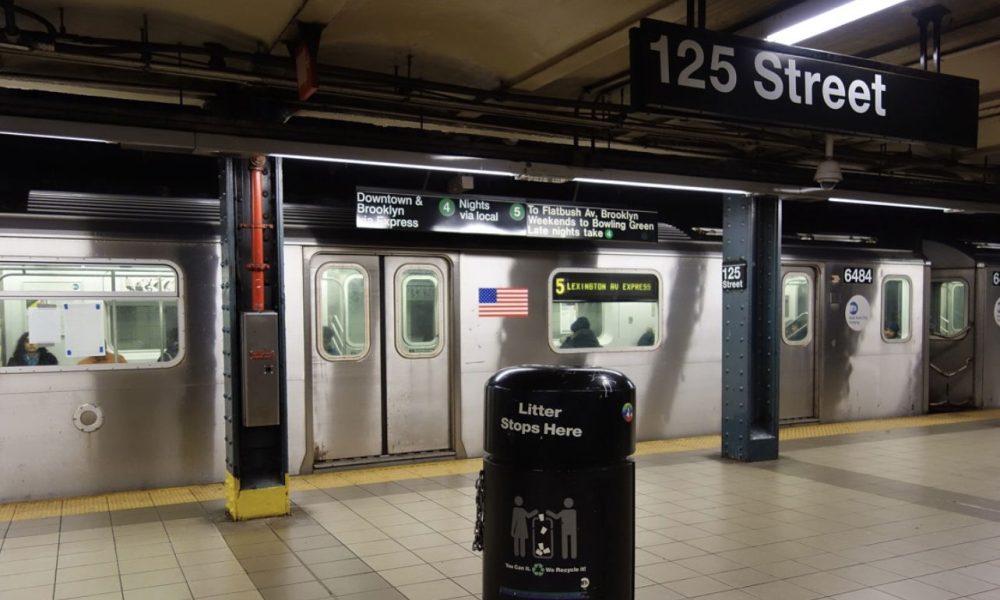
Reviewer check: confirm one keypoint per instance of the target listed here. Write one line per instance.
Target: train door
(952, 342)
(798, 347)
(381, 356)
(418, 410)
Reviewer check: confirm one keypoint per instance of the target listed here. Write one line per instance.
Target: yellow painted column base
(242, 505)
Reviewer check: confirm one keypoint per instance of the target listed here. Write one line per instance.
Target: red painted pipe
(257, 264)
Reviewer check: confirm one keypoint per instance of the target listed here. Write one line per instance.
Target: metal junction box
(261, 391)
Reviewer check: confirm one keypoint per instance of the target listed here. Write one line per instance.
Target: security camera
(828, 174)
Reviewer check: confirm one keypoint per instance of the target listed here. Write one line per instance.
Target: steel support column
(253, 346)
(751, 256)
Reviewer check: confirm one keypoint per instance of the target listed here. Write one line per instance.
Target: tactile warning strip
(20, 511)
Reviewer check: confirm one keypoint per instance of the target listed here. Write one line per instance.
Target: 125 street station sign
(746, 80)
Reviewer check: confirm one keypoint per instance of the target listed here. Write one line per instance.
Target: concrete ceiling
(562, 49)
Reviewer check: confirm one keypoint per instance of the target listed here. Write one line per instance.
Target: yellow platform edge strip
(250, 504)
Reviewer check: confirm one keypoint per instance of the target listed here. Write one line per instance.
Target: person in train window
(108, 358)
(891, 330)
(328, 344)
(173, 347)
(796, 329)
(648, 338)
(582, 336)
(27, 354)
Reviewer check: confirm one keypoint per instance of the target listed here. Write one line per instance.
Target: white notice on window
(44, 325)
(84, 323)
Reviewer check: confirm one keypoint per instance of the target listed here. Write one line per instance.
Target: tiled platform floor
(907, 513)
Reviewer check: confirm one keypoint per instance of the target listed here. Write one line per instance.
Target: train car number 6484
(859, 275)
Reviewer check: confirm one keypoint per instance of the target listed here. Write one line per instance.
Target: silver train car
(389, 347)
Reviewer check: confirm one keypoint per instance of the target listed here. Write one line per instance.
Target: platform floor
(899, 508)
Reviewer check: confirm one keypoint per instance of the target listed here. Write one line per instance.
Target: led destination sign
(587, 286)
(742, 79)
(408, 211)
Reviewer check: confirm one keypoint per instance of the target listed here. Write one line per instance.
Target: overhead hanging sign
(747, 80)
(489, 215)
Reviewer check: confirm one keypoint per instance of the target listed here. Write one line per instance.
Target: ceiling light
(831, 19)
(396, 165)
(891, 204)
(835, 237)
(665, 186)
(45, 136)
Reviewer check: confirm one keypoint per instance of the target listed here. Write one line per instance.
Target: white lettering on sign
(548, 428)
(835, 94)
(775, 79)
(386, 211)
(556, 430)
(537, 410)
(859, 275)
(688, 76)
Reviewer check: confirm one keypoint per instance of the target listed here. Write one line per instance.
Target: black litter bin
(558, 501)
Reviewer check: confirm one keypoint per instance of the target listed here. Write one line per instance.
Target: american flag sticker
(503, 302)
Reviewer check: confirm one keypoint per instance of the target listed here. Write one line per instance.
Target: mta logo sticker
(628, 412)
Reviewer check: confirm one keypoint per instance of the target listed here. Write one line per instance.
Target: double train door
(797, 392)
(952, 342)
(381, 368)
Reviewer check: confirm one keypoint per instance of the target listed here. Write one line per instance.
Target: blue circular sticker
(628, 412)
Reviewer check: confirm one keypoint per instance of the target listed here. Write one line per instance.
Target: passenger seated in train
(27, 354)
(173, 347)
(648, 338)
(108, 358)
(797, 329)
(582, 336)
(891, 330)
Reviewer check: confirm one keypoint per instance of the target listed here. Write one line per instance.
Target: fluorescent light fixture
(664, 186)
(833, 237)
(892, 204)
(377, 163)
(831, 19)
(708, 231)
(46, 136)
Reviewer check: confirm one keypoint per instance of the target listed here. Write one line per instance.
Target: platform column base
(243, 505)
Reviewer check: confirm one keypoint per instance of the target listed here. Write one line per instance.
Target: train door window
(796, 309)
(91, 314)
(949, 308)
(605, 309)
(342, 315)
(896, 300)
(421, 311)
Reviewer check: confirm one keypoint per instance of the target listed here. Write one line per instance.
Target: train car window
(949, 308)
(896, 299)
(420, 311)
(593, 309)
(342, 314)
(796, 309)
(82, 315)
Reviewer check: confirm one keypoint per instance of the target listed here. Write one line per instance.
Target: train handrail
(338, 339)
(941, 371)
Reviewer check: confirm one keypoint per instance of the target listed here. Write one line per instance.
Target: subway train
(389, 345)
